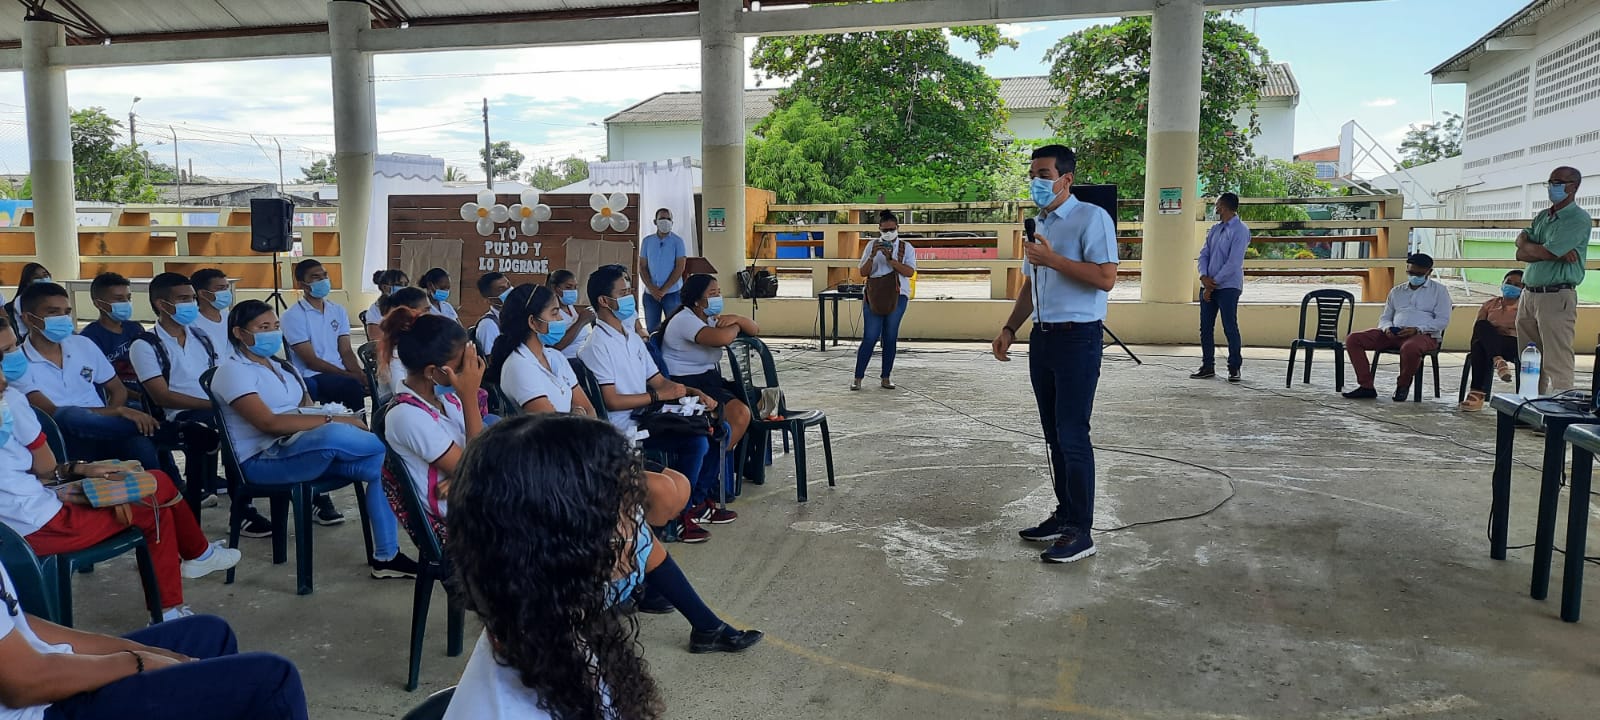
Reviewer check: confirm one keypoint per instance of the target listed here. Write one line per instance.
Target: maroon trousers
(1412, 350)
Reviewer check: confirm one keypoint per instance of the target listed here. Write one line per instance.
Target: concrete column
(44, 89)
(355, 140)
(1172, 155)
(722, 66)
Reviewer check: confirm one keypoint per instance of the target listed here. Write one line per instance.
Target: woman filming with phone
(888, 263)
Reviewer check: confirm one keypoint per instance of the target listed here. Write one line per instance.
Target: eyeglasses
(1554, 183)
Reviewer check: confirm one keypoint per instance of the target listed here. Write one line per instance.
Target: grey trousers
(1548, 320)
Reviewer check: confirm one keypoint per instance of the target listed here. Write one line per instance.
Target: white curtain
(394, 174)
(666, 184)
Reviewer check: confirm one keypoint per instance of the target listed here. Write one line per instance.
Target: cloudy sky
(550, 102)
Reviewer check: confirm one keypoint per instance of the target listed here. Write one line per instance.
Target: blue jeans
(1065, 367)
(92, 436)
(1225, 300)
(340, 451)
(876, 326)
(325, 388)
(655, 309)
(220, 684)
(693, 456)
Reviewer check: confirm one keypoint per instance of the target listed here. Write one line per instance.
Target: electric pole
(280, 166)
(488, 155)
(176, 164)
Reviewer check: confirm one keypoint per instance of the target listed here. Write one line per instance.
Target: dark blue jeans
(325, 388)
(1065, 367)
(220, 684)
(693, 455)
(655, 310)
(875, 327)
(1225, 300)
(91, 436)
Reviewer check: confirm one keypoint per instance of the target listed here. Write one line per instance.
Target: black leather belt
(1551, 288)
(1063, 326)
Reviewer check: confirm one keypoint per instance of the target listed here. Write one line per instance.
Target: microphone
(1028, 228)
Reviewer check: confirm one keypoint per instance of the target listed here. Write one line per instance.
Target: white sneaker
(219, 558)
(181, 611)
(209, 502)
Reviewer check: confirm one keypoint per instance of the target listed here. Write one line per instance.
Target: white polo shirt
(881, 266)
(445, 309)
(280, 390)
(189, 361)
(684, 356)
(18, 624)
(374, 315)
(303, 323)
(25, 503)
(524, 379)
(419, 439)
(76, 381)
(217, 331)
(571, 351)
(622, 360)
(488, 331)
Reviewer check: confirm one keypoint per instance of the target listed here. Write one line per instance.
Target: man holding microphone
(1071, 265)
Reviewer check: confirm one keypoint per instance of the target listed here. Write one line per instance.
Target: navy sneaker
(1072, 547)
(1052, 528)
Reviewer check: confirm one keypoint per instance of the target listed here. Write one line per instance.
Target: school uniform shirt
(75, 382)
(619, 359)
(881, 266)
(571, 350)
(684, 356)
(25, 503)
(115, 345)
(445, 309)
(524, 379)
(419, 439)
(1076, 231)
(322, 328)
(189, 361)
(279, 389)
(488, 331)
(217, 331)
(374, 315)
(14, 621)
(491, 691)
(397, 377)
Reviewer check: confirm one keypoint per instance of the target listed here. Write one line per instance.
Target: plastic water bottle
(1529, 373)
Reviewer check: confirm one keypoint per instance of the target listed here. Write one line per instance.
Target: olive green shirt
(1565, 231)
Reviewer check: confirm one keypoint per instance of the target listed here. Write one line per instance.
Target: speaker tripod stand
(276, 298)
(1119, 343)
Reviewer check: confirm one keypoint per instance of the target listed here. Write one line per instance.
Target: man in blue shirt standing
(1071, 265)
(1221, 282)
(661, 261)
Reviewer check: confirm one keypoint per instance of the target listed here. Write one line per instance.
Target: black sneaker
(722, 639)
(1361, 393)
(255, 524)
(671, 532)
(1234, 377)
(1205, 373)
(1402, 394)
(1070, 548)
(402, 566)
(1046, 531)
(323, 512)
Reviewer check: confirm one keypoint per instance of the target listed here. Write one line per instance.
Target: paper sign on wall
(1170, 201)
(717, 220)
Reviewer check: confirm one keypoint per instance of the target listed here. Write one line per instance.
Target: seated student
(215, 294)
(1413, 321)
(629, 380)
(48, 672)
(580, 320)
(692, 345)
(116, 329)
(493, 287)
(178, 547)
(551, 646)
(66, 375)
(31, 273)
(436, 283)
(261, 396)
(318, 335)
(523, 363)
(168, 363)
(389, 282)
(1494, 349)
(390, 372)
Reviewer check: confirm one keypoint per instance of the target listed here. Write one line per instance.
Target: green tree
(1430, 142)
(454, 174)
(104, 169)
(321, 171)
(804, 158)
(558, 173)
(506, 159)
(1103, 75)
(930, 121)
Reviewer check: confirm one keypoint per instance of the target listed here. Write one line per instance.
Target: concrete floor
(1348, 577)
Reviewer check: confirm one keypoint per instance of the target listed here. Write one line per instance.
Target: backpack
(161, 349)
(437, 488)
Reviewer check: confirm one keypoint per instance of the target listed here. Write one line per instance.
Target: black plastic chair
(743, 354)
(296, 496)
(1330, 306)
(1466, 378)
(1416, 382)
(432, 565)
(434, 707)
(367, 354)
(591, 387)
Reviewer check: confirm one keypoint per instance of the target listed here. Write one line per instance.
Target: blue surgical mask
(42, 280)
(569, 297)
(439, 391)
(1511, 292)
(392, 290)
(121, 311)
(186, 313)
(502, 296)
(1558, 194)
(1417, 280)
(627, 307)
(714, 305)
(1042, 191)
(15, 365)
(58, 328)
(623, 587)
(267, 343)
(556, 331)
(7, 422)
(321, 288)
(441, 295)
(224, 300)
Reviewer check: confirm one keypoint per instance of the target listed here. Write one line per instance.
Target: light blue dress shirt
(1222, 258)
(1076, 231)
(660, 256)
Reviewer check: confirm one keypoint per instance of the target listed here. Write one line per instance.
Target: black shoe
(255, 524)
(1204, 373)
(1361, 393)
(1234, 377)
(654, 603)
(671, 532)
(1402, 394)
(1046, 531)
(323, 512)
(722, 639)
(401, 566)
(1070, 548)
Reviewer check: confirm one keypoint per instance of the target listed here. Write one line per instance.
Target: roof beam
(1514, 42)
(1451, 78)
(863, 16)
(530, 33)
(160, 52)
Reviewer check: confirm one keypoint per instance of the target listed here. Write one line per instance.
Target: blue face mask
(441, 295)
(7, 422)
(58, 328)
(41, 280)
(15, 365)
(186, 313)
(321, 288)
(627, 307)
(569, 297)
(268, 343)
(121, 311)
(502, 296)
(714, 305)
(1558, 194)
(442, 390)
(224, 300)
(1042, 191)
(1511, 292)
(556, 331)
(1417, 280)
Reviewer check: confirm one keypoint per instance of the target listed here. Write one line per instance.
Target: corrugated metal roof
(1522, 22)
(1280, 82)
